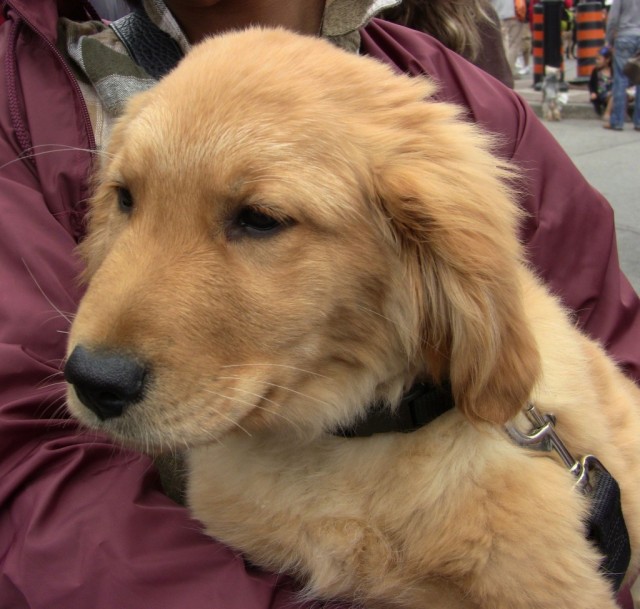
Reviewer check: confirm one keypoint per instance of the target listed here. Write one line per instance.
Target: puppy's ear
(456, 223)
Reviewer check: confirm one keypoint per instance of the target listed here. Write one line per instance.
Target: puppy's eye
(254, 222)
(125, 200)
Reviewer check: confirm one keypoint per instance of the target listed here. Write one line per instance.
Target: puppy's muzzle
(106, 382)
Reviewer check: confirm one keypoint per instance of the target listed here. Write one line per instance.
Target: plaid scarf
(108, 76)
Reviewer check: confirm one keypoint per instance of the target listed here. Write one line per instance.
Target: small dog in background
(550, 94)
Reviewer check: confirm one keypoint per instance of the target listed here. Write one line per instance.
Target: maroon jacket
(84, 525)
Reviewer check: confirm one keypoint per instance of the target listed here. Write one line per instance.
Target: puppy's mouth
(122, 396)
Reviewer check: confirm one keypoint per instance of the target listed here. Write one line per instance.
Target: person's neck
(201, 18)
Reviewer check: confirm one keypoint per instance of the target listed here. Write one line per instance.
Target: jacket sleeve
(83, 524)
(569, 232)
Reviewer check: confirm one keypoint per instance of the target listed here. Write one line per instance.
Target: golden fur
(396, 259)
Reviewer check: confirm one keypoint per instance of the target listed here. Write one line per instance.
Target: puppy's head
(283, 232)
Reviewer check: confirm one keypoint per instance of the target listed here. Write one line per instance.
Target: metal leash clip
(605, 525)
(544, 437)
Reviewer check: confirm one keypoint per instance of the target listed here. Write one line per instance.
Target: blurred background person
(601, 84)
(513, 21)
(623, 35)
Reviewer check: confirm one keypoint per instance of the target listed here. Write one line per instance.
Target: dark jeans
(624, 47)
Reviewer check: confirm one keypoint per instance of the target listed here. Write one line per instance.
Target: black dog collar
(421, 405)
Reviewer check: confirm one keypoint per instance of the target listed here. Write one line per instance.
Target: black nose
(105, 382)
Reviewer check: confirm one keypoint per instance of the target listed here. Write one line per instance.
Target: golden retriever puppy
(284, 234)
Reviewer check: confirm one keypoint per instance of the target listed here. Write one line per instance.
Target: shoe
(637, 128)
(610, 126)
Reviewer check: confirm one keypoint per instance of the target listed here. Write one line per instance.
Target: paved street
(610, 160)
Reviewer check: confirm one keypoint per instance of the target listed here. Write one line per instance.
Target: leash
(605, 525)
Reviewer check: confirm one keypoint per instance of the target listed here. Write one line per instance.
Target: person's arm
(613, 21)
(83, 523)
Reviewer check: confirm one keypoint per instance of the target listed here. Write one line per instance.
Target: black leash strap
(606, 527)
(151, 48)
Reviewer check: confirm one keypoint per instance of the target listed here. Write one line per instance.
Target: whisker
(67, 147)
(423, 341)
(368, 310)
(215, 438)
(48, 384)
(67, 314)
(58, 148)
(278, 414)
(254, 405)
(35, 281)
(46, 379)
(277, 366)
(39, 392)
(61, 413)
(309, 397)
(224, 416)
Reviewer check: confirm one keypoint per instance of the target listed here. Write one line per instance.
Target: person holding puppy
(84, 524)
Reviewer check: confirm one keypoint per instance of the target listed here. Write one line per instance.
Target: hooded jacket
(85, 525)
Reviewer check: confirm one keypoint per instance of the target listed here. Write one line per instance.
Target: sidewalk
(577, 106)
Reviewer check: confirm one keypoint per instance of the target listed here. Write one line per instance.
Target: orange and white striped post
(537, 43)
(590, 36)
